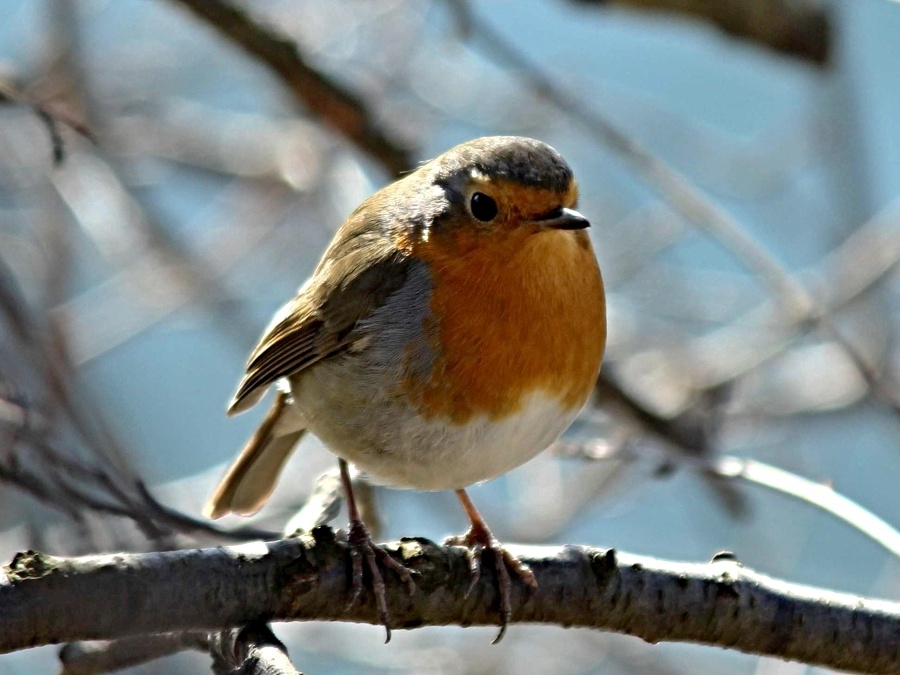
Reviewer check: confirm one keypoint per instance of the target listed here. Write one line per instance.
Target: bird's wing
(358, 273)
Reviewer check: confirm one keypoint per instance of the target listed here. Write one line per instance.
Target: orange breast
(524, 314)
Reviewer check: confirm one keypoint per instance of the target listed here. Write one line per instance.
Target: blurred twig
(51, 470)
(152, 285)
(51, 119)
(692, 435)
(247, 145)
(251, 650)
(821, 496)
(64, 480)
(176, 264)
(107, 656)
(732, 469)
(328, 100)
(798, 28)
(320, 507)
(857, 264)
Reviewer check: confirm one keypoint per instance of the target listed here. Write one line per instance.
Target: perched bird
(452, 330)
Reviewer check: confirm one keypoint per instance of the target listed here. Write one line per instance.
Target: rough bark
(45, 599)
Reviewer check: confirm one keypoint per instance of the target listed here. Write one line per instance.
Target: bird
(452, 330)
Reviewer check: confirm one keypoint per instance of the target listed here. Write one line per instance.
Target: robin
(453, 329)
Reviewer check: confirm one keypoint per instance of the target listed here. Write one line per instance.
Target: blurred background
(741, 168)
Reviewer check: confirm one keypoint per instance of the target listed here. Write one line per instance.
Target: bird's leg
(477, 539)
(362, 546)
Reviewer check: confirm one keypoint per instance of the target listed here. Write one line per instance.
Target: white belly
(440, 455)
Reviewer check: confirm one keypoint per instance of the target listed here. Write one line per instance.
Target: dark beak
(563, 219)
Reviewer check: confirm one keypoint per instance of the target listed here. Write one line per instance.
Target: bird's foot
(363, 548)
(478, 539)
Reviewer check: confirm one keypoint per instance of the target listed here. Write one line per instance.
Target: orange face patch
(514, 313)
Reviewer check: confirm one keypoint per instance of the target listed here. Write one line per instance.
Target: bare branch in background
(107, 656)
(821, 496)
(51, 119)
(326, 99)
(36, 461)
(251, 650)
(798, 28)
(152, 286)
(731, 469)
(62, 451)
(853, 268)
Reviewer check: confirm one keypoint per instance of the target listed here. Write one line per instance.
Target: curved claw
(477, 540)
(361, 545)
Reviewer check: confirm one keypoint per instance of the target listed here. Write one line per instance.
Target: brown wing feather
(358, 272)
(277, 357)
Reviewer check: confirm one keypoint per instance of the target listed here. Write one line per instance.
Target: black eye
(483, 207)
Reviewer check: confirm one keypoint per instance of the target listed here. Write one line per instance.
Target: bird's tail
(252, 477)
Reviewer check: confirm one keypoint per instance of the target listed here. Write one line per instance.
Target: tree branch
(798, 28)
(93, 658)
(251, 650)
(45, 599)
(340, 108)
